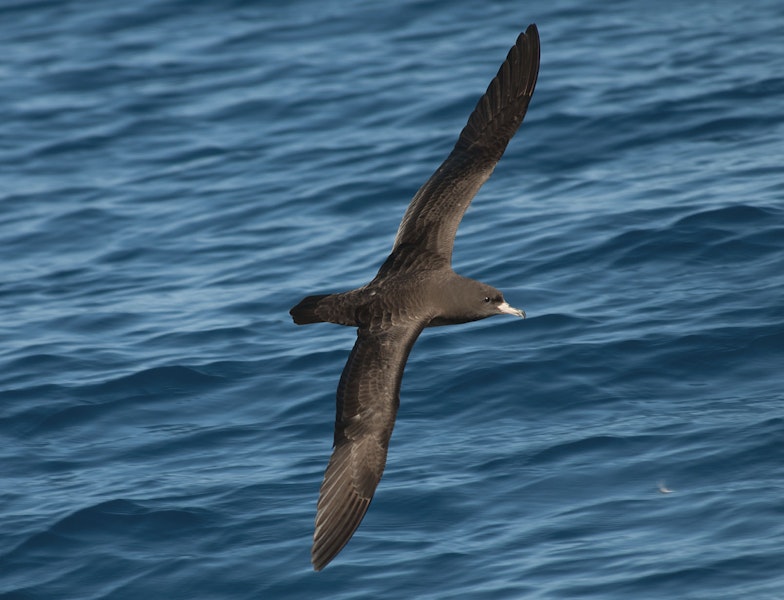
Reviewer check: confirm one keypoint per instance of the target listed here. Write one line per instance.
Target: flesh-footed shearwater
(414, 288)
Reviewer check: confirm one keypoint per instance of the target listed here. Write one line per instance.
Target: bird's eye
(487, 298)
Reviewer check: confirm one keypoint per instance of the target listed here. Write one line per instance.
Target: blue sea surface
(174, 176)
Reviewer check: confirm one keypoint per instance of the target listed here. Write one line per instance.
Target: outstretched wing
(432, 218)
(367, 401)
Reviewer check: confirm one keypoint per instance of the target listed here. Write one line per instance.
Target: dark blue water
(174, 176)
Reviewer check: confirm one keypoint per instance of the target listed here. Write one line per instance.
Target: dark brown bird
(414, 288)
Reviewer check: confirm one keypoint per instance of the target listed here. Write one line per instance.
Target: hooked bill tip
(509, 310)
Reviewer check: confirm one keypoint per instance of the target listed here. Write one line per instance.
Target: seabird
(414, 288)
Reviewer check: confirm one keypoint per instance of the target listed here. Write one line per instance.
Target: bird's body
(415, 288)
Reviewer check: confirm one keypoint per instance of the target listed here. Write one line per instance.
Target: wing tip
(341, 507)
(334, 529)
(513, 86)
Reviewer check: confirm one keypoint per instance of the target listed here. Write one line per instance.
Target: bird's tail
(306, 311)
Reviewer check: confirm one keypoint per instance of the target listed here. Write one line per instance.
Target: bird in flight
(414, 288)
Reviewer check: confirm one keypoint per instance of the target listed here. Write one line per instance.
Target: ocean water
(174, 176)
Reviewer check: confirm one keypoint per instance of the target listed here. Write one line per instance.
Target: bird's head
(464, 300)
